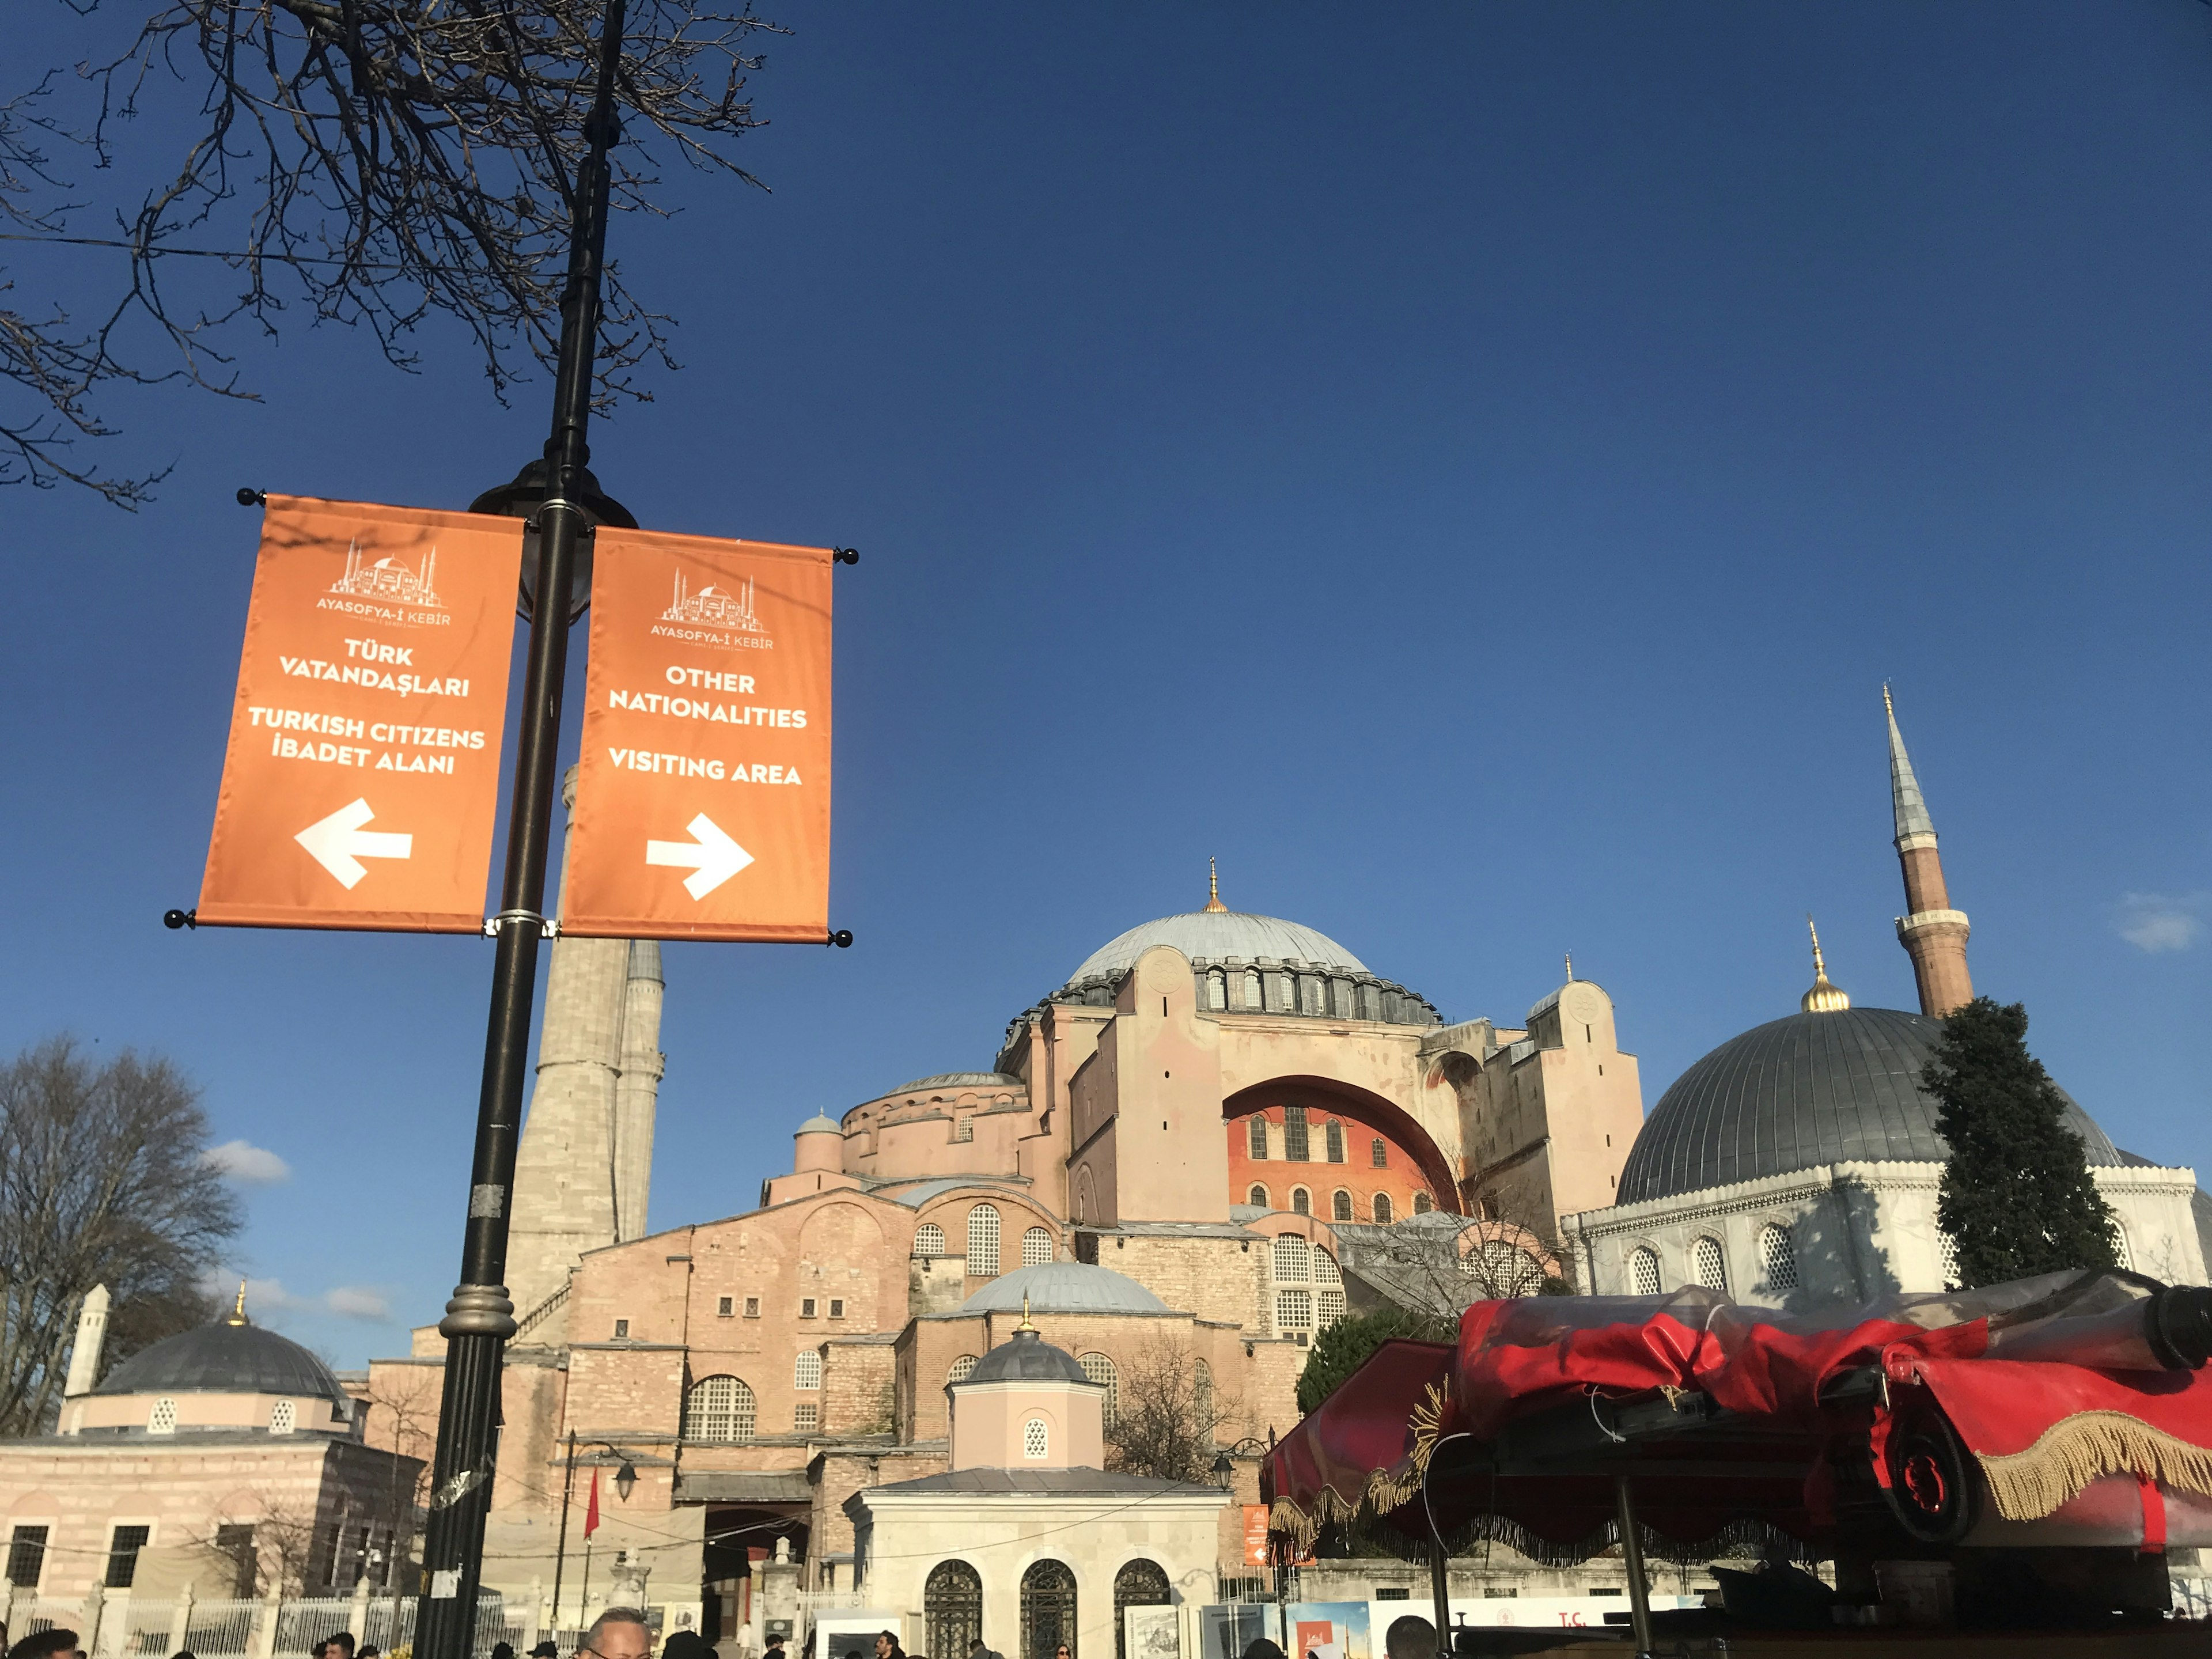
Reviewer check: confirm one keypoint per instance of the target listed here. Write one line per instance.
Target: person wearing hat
(546, 1651)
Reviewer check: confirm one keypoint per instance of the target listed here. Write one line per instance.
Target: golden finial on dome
(1025, 1325)
(1213, 904)
(237, 1314)
(1823, 997)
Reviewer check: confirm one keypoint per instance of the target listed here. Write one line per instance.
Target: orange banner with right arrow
(703, 803)
(361, 781)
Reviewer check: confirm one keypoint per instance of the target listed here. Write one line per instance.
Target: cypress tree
(2016, 1198)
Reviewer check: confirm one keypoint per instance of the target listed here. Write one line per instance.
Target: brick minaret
(1933, 935)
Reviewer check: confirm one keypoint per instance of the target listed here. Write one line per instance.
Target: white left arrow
(711, 856)
(339, 844)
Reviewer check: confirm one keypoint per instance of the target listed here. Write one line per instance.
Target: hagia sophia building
(1205, 1142)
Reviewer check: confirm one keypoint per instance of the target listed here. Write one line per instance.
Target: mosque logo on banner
(713, 616)
(388, 590)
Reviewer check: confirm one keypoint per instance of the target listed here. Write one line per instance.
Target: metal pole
(560, 1558)
(480, 1317)
(1440, 1592)
(1631, 1556)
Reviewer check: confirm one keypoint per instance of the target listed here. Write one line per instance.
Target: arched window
(1643, 1271)
(1036, 1247)
(164, 1418)
(953, 1607)
(719, 1408)
(1777, 1255)
(1379, 1151)
(1290, 1258)
(1295, 1147)
(983, 1241)
(929, 1239)
(1339, 1206)
(1141, 1584)
(1100, 1370)
(1332, 1133)
(1507, 1270)
(961, 1369)
(807, 1373)
(1258, 1196)
(1048, 1609)
(1382, 1207)
(1216, 989)
(1255, 1137)
(1252, 1003)
(283, 1417)
(1036, 1438)
(1422, 1204)
(1706, 1264)
(1301, 1201)
(1325, 1270)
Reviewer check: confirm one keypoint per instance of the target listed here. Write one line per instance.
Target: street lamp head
(520, 498)
(1224, 1470)
(625, 1480)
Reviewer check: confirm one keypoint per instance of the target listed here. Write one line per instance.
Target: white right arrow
(711, 856)
(339, 844)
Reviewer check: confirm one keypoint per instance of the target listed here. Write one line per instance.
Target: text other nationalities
(719, 713)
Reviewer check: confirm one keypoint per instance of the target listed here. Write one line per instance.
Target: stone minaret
(1933, 935)
(584, 1164)
(91, 1338)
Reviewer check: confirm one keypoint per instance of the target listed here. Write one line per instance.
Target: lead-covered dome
(1064, 1287)
(1794, 1093)
(1218, 936)
(231, 1356)
(1027, 1358)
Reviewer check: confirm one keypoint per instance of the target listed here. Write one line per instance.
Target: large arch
(1330, 1095)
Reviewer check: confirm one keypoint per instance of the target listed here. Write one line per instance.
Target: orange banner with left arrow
(361, 781)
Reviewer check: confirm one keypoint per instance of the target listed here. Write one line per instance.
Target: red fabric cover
(1363, 1429)
(2000, 1407)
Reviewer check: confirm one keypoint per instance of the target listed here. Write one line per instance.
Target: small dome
(1027, 1358)
(1837, 1086)
(820, 1124)
(230, 1356)
(1064, 1287)
(1219, 936)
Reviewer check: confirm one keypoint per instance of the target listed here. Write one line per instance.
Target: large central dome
(1218, 936)
(1835, 1086)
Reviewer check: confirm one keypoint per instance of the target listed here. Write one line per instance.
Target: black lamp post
(480, 1317)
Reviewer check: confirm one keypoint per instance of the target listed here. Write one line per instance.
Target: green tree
(2017, 1199)
(1345, 1347)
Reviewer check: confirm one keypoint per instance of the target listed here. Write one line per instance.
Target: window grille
(962, 1368)
(1141, 1584)
(1339, 1206)
(752, 1307)
(837, 1307)
(1253, 1003)
(1036, 1438)
(1422, 1204)
(1294, 1133)
(807, 1306)
(929, 1239)
(27, 1556)
(1255, 1137)
(1301, 1201)
(1643, 1271)
(1291, 1258)
(1100, 1370)
(1707, 1266)
(1217, 990)
(953, 1607)
(983, 1241)
(1294, 1310)
(1328, 1308)
(1201, 1397)
(1036, 1247)
(964, 1129)
(123, 1546)
(719, 1408)
(1382, 1207)
(807, 1418)
(1948, 1247)
(1325, 1270)
(1333, 1135)
(622, 1330)
(1258, 1196)
(725, 1306)
(807, 1373)
(1379, 1151)
(164, 1418)
(1777, 1254)
(284, 1417)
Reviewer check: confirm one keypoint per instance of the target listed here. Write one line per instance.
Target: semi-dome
(1064, 1287)
(1817, 1087)
(1026, 1358)
(1218, 936)
(231, 1356)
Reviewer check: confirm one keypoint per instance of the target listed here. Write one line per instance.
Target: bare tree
(405, 1420)
(1437, 1265)
(102, 1182)
(276, 1543)
(374, 162)
(1170, 1412)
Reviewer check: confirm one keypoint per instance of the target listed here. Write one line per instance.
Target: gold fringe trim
(1386, 1488)
(2077, 1449)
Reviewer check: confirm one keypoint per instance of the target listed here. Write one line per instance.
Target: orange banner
(703, 807)
(362, 775)
(1255, 1535)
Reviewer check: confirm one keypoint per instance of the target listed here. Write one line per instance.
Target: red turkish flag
(592, 1509)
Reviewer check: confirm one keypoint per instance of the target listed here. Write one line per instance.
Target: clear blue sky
(1469, 469)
